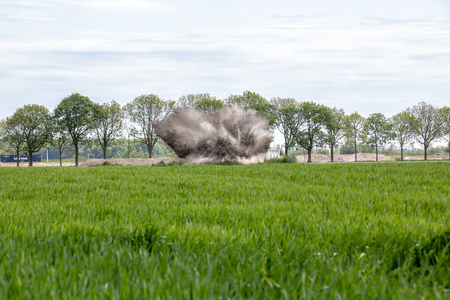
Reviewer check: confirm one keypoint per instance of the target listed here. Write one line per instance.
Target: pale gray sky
(365, 56)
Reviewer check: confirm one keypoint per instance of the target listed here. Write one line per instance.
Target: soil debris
(230, 134)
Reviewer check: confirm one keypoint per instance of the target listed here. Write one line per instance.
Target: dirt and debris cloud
(230, 133)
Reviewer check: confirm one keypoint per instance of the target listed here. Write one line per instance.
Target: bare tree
(142, 112)
(110, 126)
(428, 126)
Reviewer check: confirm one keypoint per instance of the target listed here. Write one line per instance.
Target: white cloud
(35, 3)
(115, 5)
(366, 65)
(30, 16)
(120, 5)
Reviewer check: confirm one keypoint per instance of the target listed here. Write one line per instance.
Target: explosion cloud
(231, 134)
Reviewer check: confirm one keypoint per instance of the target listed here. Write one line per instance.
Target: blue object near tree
(23, 158)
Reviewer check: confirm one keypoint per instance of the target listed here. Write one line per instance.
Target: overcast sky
(365, 56)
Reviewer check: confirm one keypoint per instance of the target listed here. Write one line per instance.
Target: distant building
(273, 153)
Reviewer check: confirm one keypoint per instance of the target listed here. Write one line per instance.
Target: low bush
(282, 160)
(228, 163)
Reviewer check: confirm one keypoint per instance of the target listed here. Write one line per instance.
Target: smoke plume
(229, 134)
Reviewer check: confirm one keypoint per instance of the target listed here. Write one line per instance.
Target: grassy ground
(65, 160)
(289, 231)
(420, 156)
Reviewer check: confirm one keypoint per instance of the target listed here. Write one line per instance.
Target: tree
(63, 143)
(256, 102)
(5, 149)
(378, 131)
(286, 119)
(78, 116)
(209, 105)
(12, 133)
(61, 138)
(110, 126)
(309, 134)
(445, 115)
(143, 112)
(354, 130)
(428, 125)
(334, 128)
(202, 102)
(36, 128)
(401, 124)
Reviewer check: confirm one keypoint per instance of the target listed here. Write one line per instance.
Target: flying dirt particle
(230, 134)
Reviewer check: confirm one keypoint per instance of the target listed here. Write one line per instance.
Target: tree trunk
(331, 151)
(30, 159)
(449, 149)
(309, 155)
(104, 147)
(376, 150)
(401, 152)
(356, 158)
(76, 154)
(425, 148)
(150, 148)
(129, 151)
(285, 147)
(60, 158)
(18, 157)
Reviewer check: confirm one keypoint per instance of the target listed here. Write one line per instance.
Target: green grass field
(273, 231)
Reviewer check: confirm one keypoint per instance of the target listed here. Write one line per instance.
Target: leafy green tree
(61, 139)
(286, 119)
(63, 143)
(5, 149)
(334, 128)
(209, 105)
(445, 115)
(322, 151)
(3, 145)
(202, 102)
(401, 128)
(143, 112)
(354, 130)
(78, 116)
(377, 130)
(312, 118)
(12, 133)
(428, 126)
(110, 126)
(256, 102)
(37, 128)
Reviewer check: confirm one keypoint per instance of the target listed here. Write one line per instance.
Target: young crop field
(269, 231)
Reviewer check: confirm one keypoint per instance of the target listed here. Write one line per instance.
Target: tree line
(77, 119)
